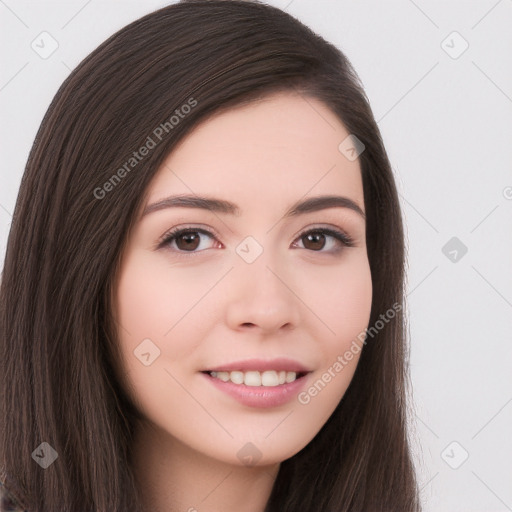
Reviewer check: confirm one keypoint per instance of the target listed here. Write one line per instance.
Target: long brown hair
(72, 216)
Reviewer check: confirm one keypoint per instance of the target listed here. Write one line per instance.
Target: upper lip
(278, 364)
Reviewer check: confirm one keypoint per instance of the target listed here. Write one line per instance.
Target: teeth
(290, 376)
(269, 379)
(237, 377)
(252, 378)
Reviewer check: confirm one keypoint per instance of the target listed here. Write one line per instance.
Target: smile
(259, 389)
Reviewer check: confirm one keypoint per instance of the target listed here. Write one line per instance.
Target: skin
(212, 307)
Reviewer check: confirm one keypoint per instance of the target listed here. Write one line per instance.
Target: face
(261, 290)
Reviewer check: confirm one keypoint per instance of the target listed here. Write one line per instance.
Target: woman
(206, 261)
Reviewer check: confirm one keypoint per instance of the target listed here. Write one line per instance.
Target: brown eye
(314, 240)
(186, 240)
(318, 239)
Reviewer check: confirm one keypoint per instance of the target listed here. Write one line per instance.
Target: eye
(185, 239)
(189, 240)
(316, 239)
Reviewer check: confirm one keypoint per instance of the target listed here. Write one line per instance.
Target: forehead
(272, 151)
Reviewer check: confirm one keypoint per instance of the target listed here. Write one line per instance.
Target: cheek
(158, 319)
(153, 299)
(140, 300)
(340, 296)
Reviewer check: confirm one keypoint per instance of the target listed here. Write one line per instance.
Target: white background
(447, 126)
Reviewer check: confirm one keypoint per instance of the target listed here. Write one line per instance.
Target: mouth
(264, 388)
(254, 378)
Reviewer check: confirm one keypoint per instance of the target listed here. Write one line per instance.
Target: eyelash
(173, 234)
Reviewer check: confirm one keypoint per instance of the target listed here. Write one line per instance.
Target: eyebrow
(312, 204)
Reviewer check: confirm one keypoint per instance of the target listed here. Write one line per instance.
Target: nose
(261, 298)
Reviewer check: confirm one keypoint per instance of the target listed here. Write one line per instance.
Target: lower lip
(260, 396)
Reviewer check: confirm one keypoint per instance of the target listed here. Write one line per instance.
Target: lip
(259, 396)
(278, 364)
